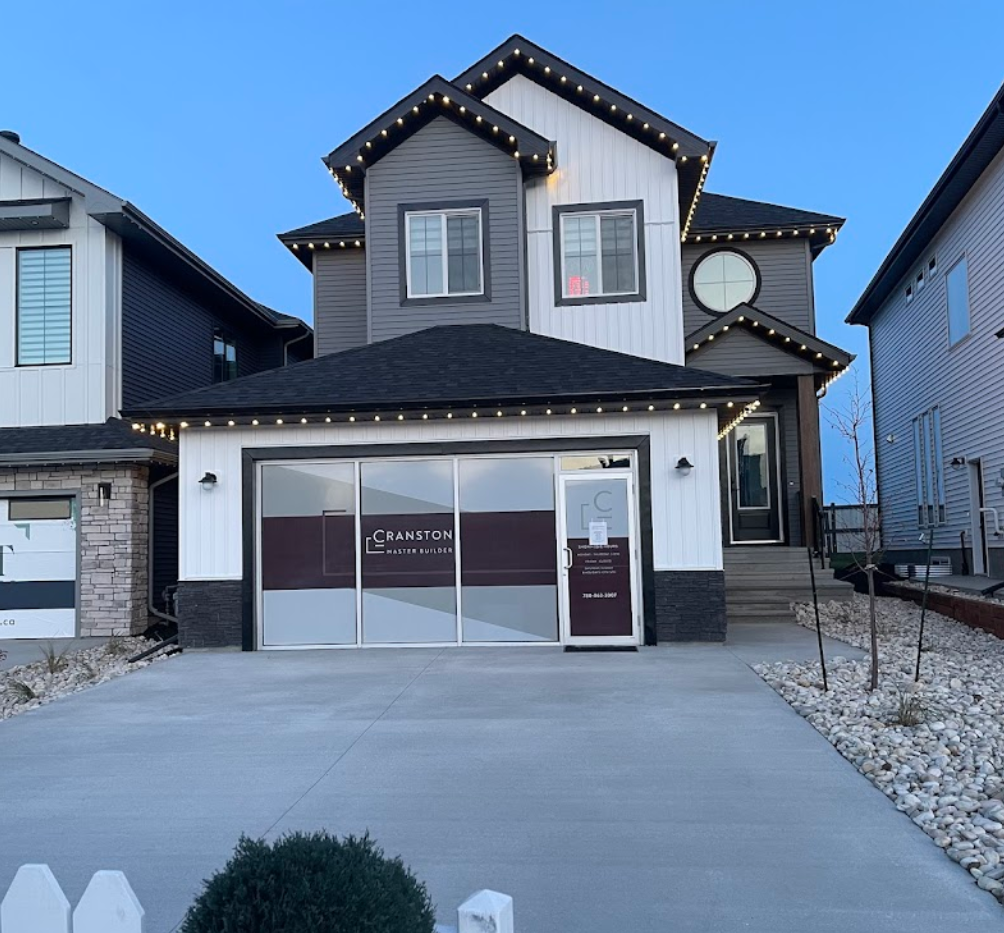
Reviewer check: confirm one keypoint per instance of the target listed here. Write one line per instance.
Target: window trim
(404, 256)
(952, 344)
(17, 304)
(757, 276)
(228, 340)
(599, 207)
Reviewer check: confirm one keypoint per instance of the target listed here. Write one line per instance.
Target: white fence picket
(486, 912)
(35, 903)
(108, 906)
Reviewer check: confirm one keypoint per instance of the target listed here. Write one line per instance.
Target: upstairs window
(929, 468)
(957, 291)
(224, 359)
(724, 278)
(600, 255)
(43, 306)
(444, 257)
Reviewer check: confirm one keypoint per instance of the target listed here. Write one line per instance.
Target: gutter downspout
(149, 550)
(288, 343)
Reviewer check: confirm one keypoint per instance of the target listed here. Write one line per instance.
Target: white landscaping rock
(81, 669)
(947, 773)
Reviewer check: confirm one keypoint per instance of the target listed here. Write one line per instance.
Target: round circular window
(723, 279)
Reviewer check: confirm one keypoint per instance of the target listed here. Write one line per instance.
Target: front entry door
(598, 569)
(754, 488)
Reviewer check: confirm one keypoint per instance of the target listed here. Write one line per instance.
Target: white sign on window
(598, 536)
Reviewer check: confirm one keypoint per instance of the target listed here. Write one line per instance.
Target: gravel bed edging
(947, 772)
(29, 686)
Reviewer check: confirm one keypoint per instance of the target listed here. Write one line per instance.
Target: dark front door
(753, 479)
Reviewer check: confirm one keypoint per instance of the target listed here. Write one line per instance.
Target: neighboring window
(43, 306)
(929, 468)
(599, 253)
(920, 280)
(957, 290)
(909, 293)
(443, 253)
(932, 265)
(29, 510)
(723, 279)
(224, 359)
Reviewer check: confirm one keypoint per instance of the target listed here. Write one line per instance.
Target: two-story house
(553, 380)
(100, 309)
(935, 313)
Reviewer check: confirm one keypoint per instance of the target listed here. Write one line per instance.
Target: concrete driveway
(665, 790)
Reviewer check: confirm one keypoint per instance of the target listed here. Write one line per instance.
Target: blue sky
(212, 116)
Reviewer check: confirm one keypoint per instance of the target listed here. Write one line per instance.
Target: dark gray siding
(913, 369)
(785, 276)
(164, 570)
(740, 353)
(442, 162)
(167, 337)
(339, 299)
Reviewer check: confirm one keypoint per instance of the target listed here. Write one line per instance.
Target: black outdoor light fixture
(957, 463)
(208, 481)
(684, 466)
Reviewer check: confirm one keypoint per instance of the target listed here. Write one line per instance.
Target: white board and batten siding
(597, 163)
(87, 389)
(685, 509)
(914, 369)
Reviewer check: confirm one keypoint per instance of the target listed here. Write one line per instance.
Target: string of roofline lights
(164, 430)
(754, 324)
(757, 235)
(611, 108)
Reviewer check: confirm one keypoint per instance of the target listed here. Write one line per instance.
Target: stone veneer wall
(210, 613)
(113, 539)
(690, 605)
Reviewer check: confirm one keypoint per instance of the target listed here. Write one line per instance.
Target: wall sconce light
(890, 438)
(684, 466)
(208, 481)
(104, 493)
(957, 463)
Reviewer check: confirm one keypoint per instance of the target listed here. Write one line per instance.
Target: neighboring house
(537, 343)
(935, 312)
(100, 309)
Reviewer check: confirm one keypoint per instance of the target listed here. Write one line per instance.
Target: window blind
(43, 306)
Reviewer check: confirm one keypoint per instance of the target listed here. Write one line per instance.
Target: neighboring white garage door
(38, 567)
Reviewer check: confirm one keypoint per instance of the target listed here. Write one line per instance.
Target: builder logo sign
(408, 550)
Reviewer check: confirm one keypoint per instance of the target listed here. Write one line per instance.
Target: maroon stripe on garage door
(508, 549)
(308, 552)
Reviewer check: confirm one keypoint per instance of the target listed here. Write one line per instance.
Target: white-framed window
(444, 257)
(929, 468)
(598, 253)
(957, 295)
(724, 279)
(44, 285)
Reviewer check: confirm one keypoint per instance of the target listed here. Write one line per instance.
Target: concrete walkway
(668, 790)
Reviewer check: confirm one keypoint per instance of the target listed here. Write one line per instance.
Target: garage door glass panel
(408, 555)
(38, 568)
(598, 557)
(308, 554)
(508, 562)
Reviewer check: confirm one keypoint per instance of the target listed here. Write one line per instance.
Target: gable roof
(823, 356)
(149, 238)
(517, 55)
(451, 366)
(436, 98)
(980, 148)
(345, 231)
(720, 214)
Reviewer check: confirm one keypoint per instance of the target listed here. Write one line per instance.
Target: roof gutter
(125, 455)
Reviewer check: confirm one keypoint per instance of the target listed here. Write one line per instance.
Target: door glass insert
(598, 557)
(308, 554)
(752, 466)
(408, 554)
(508, 563)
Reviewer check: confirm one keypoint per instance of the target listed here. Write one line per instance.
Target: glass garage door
(396, 552)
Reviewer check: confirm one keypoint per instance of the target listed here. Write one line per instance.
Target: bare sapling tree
(852, 421)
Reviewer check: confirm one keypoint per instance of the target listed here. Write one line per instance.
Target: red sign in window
(578, 286)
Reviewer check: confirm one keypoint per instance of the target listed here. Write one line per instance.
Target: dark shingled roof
(344, 225)
(450, 366)
(63, 443)
(720, 212)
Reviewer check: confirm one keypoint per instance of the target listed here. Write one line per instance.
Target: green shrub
(311, 883)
